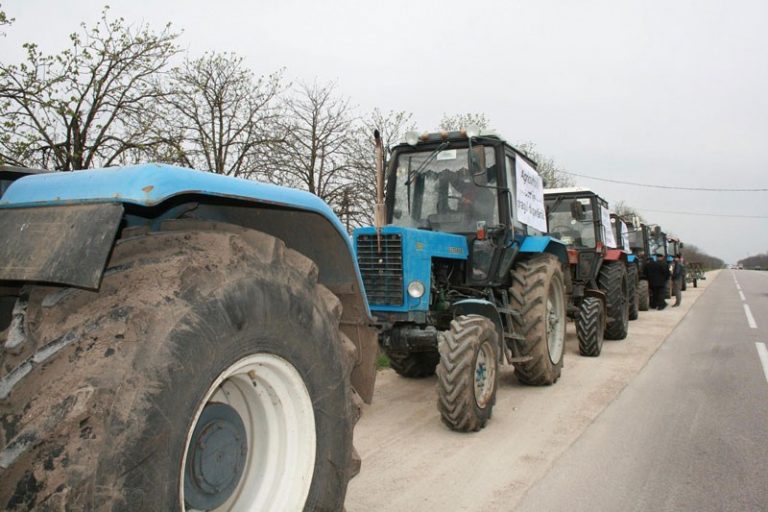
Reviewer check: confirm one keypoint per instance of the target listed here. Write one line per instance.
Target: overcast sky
(666, 92)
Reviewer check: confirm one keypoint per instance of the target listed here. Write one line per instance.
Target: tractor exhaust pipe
(380, 214)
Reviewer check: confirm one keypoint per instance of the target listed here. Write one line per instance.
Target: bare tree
(78, 109)
(553, 174)
(454, 122)
(315, 153)
(220, 117)
(361, 195)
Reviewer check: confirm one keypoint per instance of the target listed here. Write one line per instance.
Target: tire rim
(485, 374)
(555, 321)
(264, 397)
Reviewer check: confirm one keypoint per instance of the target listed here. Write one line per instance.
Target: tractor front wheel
(643, 295)
(612, 280)
(590, 322)
(414, 365)
(632, 284)
(467, 375)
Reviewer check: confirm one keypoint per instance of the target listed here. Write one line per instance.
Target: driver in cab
(476, 201)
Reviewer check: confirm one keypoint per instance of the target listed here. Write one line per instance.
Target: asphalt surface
(690, 431)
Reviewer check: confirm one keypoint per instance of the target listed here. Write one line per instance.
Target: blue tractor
(462, 277)
(176, 340)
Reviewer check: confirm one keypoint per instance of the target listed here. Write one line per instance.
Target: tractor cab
(467, 186)
(638, 234)
(674, 247)
(581, 219)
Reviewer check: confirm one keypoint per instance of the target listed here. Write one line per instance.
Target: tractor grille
(382, 270)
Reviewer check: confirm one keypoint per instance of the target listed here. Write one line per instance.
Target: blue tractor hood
(149, 185)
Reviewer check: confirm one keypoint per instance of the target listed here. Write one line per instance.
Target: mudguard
(545, 244)
(615, 255)
(482, 308)
(58, 244)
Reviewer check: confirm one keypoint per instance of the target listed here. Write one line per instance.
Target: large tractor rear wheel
(538, 293)
(414, 365)
(632, 283)
(207, 373)
(612, 280)
(590, 322)
(643, 295)
(467, 375)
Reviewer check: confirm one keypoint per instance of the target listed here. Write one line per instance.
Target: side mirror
(682, 245)
(577, 210)
(657, 231)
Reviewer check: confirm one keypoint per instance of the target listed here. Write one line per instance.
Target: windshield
(657, 244)
(436, 191)
(572, 221)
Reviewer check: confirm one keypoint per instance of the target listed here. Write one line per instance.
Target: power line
(668, 187)
(702, 214)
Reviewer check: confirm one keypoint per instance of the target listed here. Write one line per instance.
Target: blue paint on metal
(631, 258)
(419, 248)
(151, 184)
(545, 244)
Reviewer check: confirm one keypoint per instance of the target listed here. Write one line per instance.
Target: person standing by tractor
(678, 275)
(658, 275)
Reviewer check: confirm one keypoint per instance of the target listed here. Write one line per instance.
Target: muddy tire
(113, 396)
(467, 375)
(538, 293)
(414, 365)
(589, 326)
(643, 295)
(612, 280)
(632, 283)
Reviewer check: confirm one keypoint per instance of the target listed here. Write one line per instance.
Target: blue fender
(482, 308)
(545, 244)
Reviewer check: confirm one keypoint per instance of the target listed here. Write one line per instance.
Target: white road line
(738, 287)
(750, 318)
(762, 353)
(741, 294)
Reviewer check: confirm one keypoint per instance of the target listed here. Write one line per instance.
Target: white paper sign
(530, 196)
(625, 237)
(608, 237)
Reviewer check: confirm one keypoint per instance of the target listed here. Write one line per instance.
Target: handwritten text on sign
(608, 238)
(530, 196)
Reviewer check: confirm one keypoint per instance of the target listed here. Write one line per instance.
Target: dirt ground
(412, 462)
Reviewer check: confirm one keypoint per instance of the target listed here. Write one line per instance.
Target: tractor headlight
(415, 289)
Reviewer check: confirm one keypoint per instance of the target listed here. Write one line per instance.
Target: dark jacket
(657, 273)
(678, 271)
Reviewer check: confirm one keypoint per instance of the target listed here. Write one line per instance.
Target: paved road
(690, 432)
(411, 462)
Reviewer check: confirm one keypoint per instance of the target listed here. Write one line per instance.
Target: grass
(382, 361)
